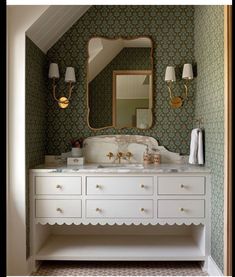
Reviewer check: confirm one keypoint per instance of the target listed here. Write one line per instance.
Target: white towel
(196, 147)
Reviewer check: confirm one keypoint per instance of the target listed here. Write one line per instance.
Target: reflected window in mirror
(132, 99)
(106, 102)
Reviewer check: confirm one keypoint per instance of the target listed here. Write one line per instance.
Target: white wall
(19, 19)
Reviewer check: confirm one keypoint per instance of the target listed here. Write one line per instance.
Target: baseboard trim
(213, 269)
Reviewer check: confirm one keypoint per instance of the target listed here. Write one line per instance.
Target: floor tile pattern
(74, 268)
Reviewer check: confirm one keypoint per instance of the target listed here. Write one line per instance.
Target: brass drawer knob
(142, 209)
(142, 186)
(98, 209)
(181, 209)
(98, 186)
(182, 186)
(59, 187)
(59, 210)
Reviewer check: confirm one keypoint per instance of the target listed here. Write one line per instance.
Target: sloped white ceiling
(53, 23)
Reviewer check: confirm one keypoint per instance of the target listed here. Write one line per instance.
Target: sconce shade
(53, 71)
(70, 75)
(170, 74)
(187, 71)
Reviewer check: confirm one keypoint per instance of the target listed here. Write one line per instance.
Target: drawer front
(119, 208)
(119, 185)
(181, 208)
(181, 185)
(58, 208)
(58, 185)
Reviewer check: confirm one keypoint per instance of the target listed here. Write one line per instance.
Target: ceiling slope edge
(53, 23)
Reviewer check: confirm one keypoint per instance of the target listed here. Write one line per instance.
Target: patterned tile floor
(71, 268)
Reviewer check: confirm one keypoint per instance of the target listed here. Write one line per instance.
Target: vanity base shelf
(123, 247)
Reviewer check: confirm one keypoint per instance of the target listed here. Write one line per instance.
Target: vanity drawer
(119, 185)
(58, 208)
(58, 185)
(181, 185)
(181, 208)
(119, 208)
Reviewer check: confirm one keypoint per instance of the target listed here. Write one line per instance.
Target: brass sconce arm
(186, 84)
(169, 86)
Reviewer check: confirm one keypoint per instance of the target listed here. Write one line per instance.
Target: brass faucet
(110, 155)
(120, 155)
(129, 155)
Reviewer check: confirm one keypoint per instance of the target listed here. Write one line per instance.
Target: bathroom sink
(126, 166)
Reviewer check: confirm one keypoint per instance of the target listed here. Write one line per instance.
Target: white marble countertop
(119, 168)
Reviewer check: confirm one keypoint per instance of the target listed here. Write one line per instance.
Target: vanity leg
(204, 265)
(35, 265)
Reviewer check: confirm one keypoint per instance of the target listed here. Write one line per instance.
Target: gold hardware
(129, 155)
(182, 186)
(142, 186)
(59, 210)
(142, 209)
(98, 186)
(63, 102)
(119, 156)
(98, 209)
(110, 155)
(59, 187)
(176, 102)
(181, 209)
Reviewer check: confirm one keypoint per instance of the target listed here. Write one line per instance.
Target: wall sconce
(177, 101)
(63, 101)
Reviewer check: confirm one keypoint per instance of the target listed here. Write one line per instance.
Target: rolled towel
(194, 147)
(200, 156)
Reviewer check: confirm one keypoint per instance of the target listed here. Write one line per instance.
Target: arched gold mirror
(119, 83)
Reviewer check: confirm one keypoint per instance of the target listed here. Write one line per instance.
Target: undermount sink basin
(126, 166)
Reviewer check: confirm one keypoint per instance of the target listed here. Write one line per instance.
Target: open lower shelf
(123, 247)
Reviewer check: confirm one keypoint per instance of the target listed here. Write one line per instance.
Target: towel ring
(199, 121)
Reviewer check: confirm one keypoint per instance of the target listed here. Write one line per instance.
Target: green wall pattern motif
(100, 88)
(209, 104)
(36, 88)
(172, 30)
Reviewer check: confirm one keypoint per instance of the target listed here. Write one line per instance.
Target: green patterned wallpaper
(100, 89)
(172, 31)
(36, 90)
(209, 104)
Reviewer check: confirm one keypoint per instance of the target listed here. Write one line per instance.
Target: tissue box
(75, 160)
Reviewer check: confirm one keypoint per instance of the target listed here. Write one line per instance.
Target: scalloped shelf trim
(67, 221)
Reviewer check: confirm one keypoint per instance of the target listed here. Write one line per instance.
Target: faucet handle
(119, 154)
(110, 155)
(129, 155)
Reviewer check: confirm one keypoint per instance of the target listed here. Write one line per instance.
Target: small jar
(156, 158)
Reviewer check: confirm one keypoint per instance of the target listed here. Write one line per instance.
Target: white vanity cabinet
(146, 215)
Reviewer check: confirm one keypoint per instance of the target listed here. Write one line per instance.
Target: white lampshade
(187, 71)
(170, 74)
(53, 71)
(70, 75)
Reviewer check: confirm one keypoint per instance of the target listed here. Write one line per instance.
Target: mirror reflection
(119, 83)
